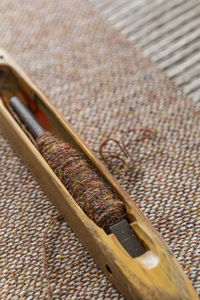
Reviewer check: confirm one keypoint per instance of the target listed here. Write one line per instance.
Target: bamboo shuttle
(155, 274)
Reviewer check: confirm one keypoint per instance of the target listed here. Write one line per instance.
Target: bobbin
(155, 274)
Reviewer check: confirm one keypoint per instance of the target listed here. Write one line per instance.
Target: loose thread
(147, 133)
(114, 155)
(49, 290)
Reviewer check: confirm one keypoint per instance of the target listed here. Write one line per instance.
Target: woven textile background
(166, 30)
(104, 86)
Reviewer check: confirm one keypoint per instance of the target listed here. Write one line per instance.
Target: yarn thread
(49, 290)
(94, 196)
(124, 154)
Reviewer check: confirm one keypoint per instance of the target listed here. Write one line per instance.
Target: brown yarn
(50, 294)
(142, 135)
(113, 155)
(87, 187)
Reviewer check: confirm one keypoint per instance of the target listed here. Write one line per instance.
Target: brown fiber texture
(82, 181)
(104, 86)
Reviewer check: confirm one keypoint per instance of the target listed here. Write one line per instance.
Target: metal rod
(27, 117)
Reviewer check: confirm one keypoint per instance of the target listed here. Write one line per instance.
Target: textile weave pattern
(103, 85)
(168, 31)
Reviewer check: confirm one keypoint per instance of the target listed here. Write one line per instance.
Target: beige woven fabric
(103, 85)
(168, 31)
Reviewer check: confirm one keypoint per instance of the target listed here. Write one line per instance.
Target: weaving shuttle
(152, 273)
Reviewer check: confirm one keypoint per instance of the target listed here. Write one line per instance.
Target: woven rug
(104, 86)
(168, 31)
